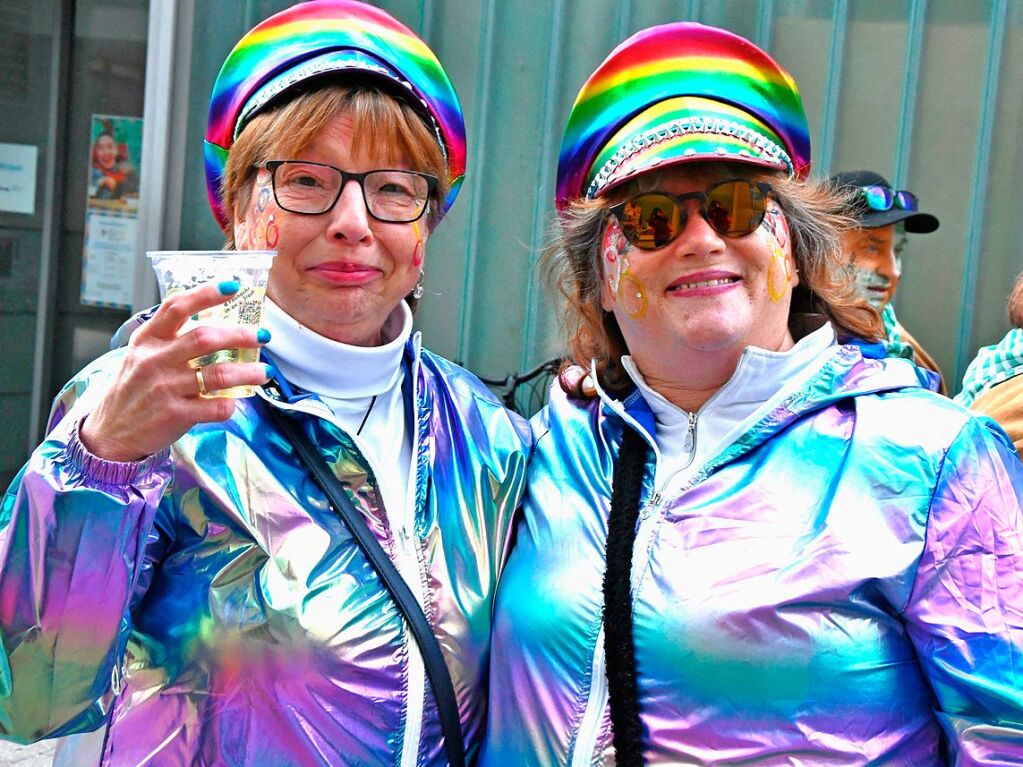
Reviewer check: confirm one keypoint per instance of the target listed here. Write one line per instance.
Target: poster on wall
(111, 211)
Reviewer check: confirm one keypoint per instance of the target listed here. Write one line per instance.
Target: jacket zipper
(408, 565)
(410, 568)
(690, 445)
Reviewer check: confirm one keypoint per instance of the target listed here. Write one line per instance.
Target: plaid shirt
(893, 343)
(993, 365)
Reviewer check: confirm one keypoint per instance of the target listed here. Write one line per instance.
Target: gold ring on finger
(203, 391)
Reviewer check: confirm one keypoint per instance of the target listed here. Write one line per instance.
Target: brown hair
(382, 123)
(814, 212)
(1015, 307)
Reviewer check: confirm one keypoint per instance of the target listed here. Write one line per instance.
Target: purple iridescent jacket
(206, 607)
(843, 585)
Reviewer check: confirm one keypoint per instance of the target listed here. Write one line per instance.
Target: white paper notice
(18, 178)
(109, 258)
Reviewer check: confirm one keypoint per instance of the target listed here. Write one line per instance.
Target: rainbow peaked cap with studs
(679, 92)
(320, 37)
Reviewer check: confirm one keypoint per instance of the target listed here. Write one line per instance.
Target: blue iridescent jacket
(207, 607)
(842, 585)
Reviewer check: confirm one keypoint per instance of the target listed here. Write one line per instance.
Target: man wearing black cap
(885, 215)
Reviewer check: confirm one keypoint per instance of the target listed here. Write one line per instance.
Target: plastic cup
(179, 270)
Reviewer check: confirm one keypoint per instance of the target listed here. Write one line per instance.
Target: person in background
(884, 216)
(170, 574)
(744, 540)
(993, 383)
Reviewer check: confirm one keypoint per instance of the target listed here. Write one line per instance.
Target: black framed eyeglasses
(882, 198)
(733, 208)
(312, 188)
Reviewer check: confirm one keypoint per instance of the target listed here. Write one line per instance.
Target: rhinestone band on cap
(769, 150)
(362, 64)
(310, 69)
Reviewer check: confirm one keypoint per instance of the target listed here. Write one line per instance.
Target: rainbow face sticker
(262, 197)
(615, 249)
(258, 230)
(776, 224)
(621, 285)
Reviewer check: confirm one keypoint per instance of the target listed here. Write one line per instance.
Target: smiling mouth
(705, 283)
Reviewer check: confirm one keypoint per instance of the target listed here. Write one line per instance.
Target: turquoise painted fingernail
(263, 335)
(269, 371)
(227, 287)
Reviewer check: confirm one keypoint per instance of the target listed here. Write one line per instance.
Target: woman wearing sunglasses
(171, 573)
(744, 541)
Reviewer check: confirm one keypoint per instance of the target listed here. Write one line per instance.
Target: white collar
(762, 379)
(333, 369)
(759, 375)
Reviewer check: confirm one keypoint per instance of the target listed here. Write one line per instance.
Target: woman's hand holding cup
(159, 393)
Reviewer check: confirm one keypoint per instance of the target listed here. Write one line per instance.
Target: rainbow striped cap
(323, 37)
(675, 93)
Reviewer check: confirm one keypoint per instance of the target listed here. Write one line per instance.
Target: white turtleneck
(347, 378)
(762, 379)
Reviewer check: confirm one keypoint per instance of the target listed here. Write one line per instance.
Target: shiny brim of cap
(914, 222)
(685, 129)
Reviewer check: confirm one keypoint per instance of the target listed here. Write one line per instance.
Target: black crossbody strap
(433, 659)
(619, 646)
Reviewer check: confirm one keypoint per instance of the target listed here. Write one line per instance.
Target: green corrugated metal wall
(927, 92)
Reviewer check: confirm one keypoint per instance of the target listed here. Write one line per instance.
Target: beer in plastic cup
(179, 270)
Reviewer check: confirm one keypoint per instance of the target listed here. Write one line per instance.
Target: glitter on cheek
(632, 295)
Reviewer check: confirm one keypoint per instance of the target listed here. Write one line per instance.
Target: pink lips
(345, 273)
(706, 283)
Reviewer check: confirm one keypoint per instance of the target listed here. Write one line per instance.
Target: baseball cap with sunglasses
(878, 204)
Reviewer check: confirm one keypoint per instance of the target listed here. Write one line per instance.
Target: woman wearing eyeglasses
(170, 572)
(744, 541)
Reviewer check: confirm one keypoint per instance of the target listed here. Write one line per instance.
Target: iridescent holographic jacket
(210, 609)
(843, 585)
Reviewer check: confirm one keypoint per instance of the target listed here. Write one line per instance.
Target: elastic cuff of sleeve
(104, 472)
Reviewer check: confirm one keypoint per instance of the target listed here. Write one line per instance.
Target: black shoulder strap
(619, 647)
(429, 647)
